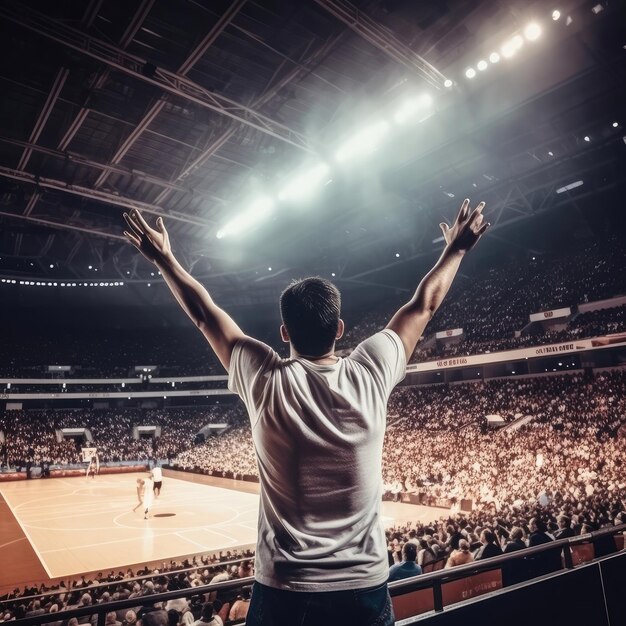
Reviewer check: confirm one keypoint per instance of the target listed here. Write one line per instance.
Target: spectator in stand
(460, 556)
(489, 546)
(408, 567)
(565, 529)
(209, 617)
(545, 562)
(240, 607)
(111, 619)
(425, 554)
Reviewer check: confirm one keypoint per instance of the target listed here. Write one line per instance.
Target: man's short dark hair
(310, 309)
(409, 551)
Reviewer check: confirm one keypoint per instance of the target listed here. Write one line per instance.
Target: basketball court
(77, 525)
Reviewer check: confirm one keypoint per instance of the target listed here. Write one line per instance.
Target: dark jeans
(362, 607)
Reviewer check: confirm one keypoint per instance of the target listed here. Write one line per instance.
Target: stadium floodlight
(482, 65)
(556, 14)
(494, 57)
(260, 209)
(532, 31)
(470, 72)
(615, 124)
(304, 185)
(576, 183)
(587, 138)
(508, 49)
(51, 266)
(363, 143)
(411, 108)
(447, 83)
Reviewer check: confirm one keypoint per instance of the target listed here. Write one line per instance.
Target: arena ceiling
(194, 110)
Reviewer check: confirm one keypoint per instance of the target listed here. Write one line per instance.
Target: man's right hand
(468, 228)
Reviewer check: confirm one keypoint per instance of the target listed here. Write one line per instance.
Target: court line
(8, 543)
(202, 546)
(103, 543)
(215, 532)
(32, 544)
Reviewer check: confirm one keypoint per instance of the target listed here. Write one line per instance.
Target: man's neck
(328, 358)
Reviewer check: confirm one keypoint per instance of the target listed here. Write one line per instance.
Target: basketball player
(93, 467)
(148, 497)
(157, 477)
(318, 422)
(141, 489)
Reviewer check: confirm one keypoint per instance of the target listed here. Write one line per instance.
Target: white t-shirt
(318, 434)
(157, 475)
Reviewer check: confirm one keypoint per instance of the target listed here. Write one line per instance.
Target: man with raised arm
(318, 423)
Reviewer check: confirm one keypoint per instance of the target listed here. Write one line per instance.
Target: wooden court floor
(60, 527)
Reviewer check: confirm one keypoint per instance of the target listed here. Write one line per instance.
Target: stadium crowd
(561, 472)
(31, 436)
(494, 308)
(557, 469)
(140, 584)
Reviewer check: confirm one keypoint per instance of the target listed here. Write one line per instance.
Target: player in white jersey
(157, 477)
(318, 423)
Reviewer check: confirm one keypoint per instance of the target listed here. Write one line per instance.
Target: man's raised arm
(216, 325)
(411, 319)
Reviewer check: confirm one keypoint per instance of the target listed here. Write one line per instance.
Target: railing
(434, 581)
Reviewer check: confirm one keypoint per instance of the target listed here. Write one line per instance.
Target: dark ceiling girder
(44, 114)
(295, 73)
(89, 16)
(60, 225)
(163, 79)
(195, 55)
(96, 194)
(383, 39)
(113, 169)
(512, 185)
(100, 79)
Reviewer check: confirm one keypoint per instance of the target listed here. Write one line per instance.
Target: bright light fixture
(411, 107)
(587, 138)
(363, 143)
(303, 185)
(556, 14)
(494, 57)
(532, 31)
(615, 124)
(576, 183)
(447, 83)
(517, 41)
(470, 72)
(508, 49)
(260, 209)
(482, 65)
